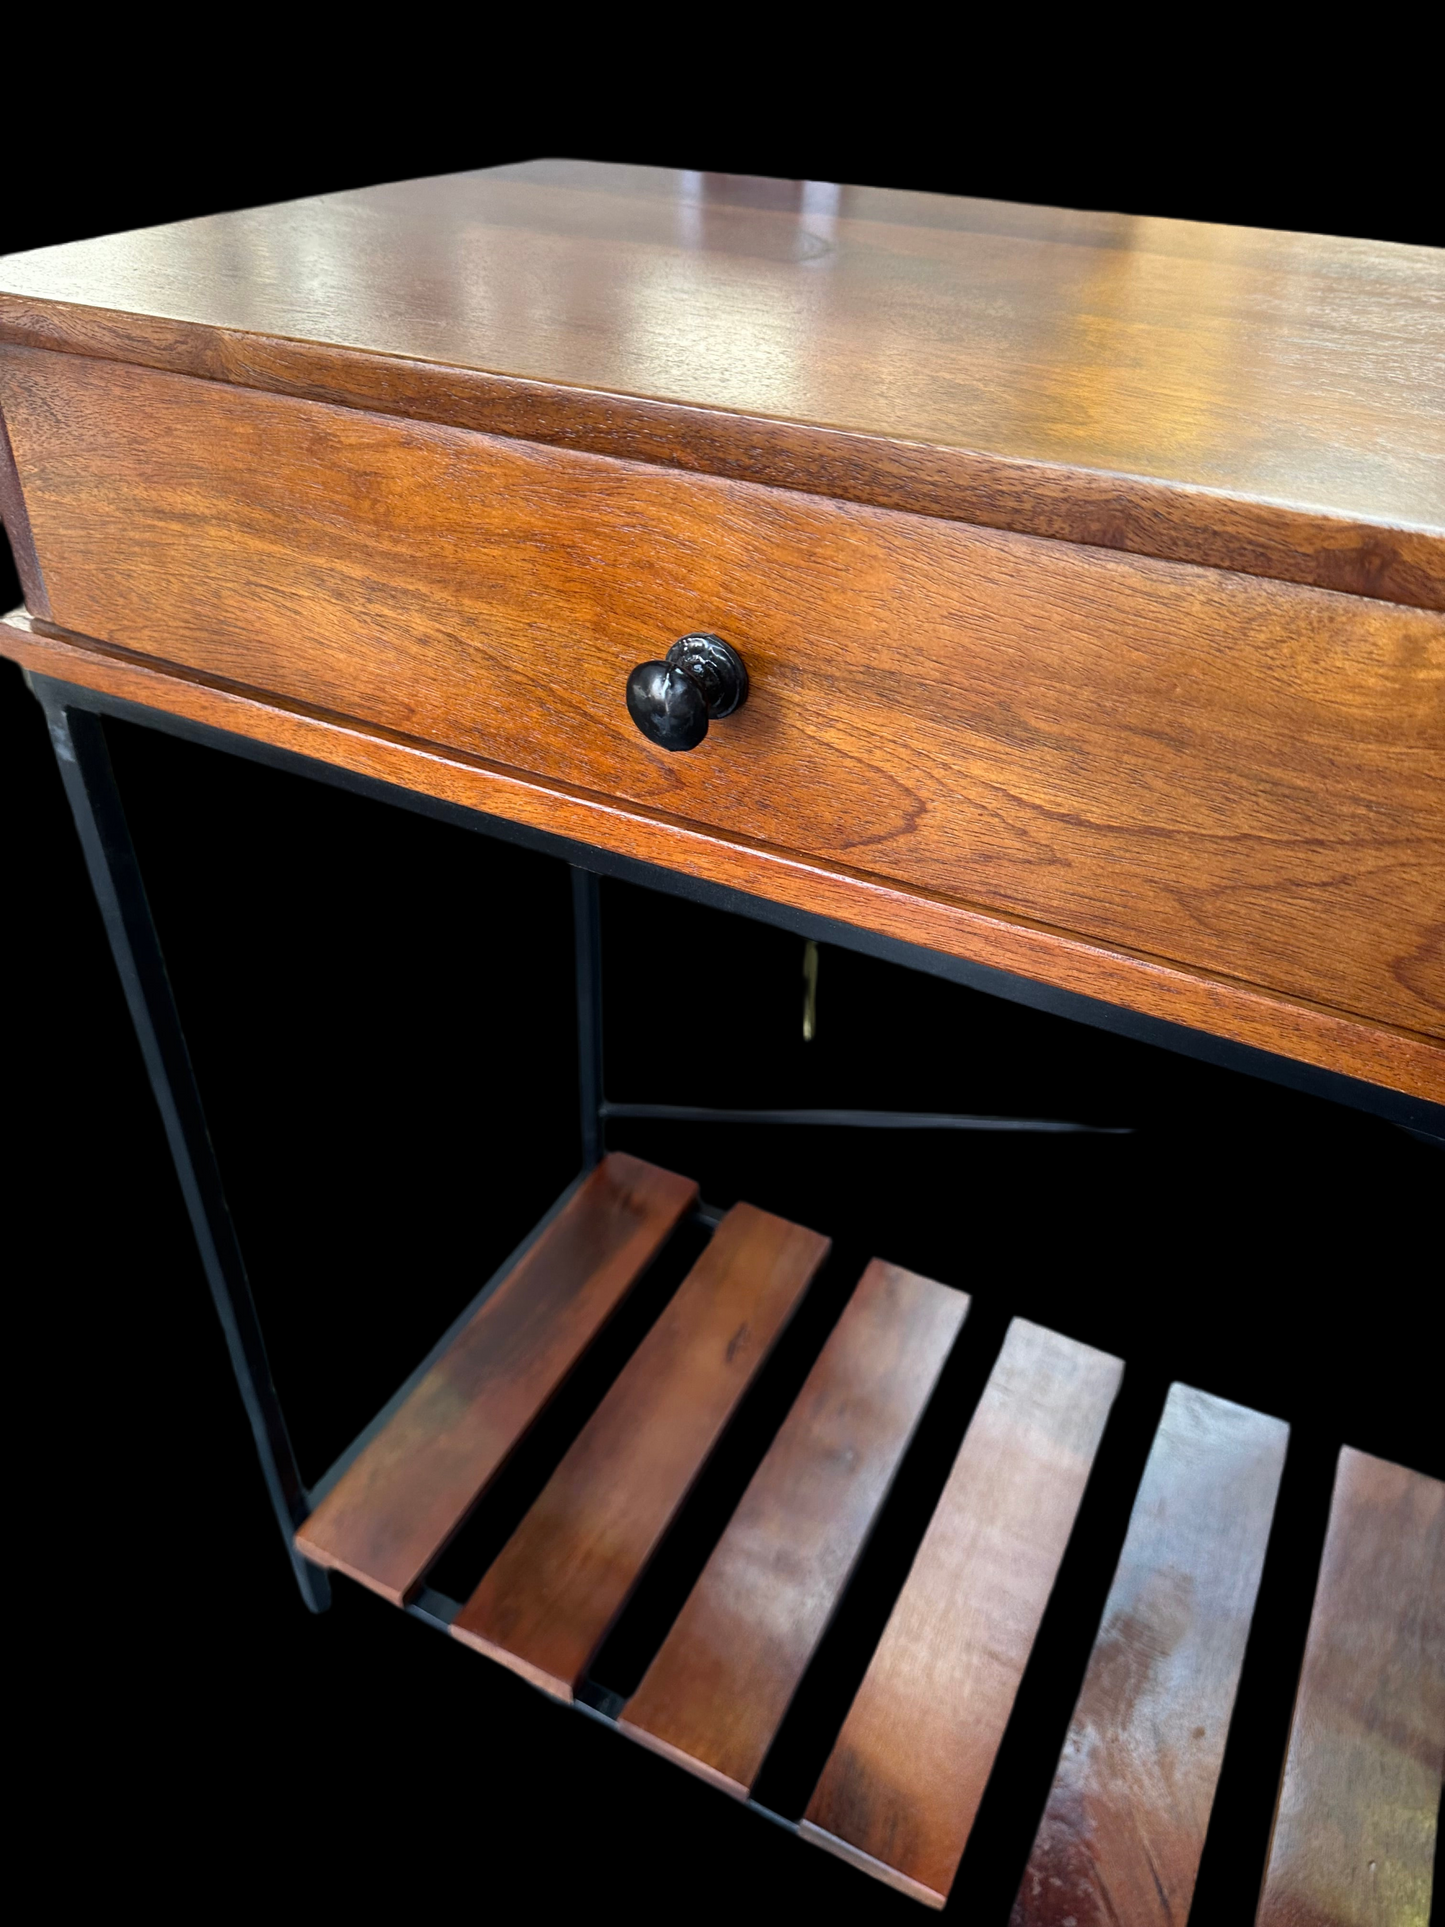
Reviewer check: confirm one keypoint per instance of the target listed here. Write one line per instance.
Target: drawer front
(1236, 774)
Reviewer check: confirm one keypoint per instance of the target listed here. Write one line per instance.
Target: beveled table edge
(1136, 514)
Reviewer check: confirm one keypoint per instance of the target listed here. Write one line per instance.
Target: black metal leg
(587, 922)
(80, 749)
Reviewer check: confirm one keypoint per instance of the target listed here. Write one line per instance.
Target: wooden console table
(1051, 602)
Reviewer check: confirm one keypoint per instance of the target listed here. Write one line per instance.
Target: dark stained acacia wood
(1262, 402)
(1354, 1831)
(548, 1599)
(1241, 776)
(17, 526)
(398, 1504)
(717, 1691)
(1378, 1053)
(900, 1789)
(1124, 1826)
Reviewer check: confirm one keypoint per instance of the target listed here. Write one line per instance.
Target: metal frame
(80, 749)
(437, 1610)
(74, 717)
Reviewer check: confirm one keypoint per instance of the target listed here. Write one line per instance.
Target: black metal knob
(671, 701)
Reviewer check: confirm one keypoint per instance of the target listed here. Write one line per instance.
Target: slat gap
(1008, 1815)
(557, 1587)
(1232, 1864)
(827, 1689)
(463, 1562)
(646, 1619)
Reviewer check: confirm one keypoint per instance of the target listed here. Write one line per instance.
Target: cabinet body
(1171, 739)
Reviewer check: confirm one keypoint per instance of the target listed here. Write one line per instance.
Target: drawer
(1232, 773)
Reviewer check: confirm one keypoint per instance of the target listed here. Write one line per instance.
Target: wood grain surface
(398, 1504)
(1272, 403)
(1354, 1831)
(547, 1601)
(1241, 776)
(1380, 1054)
(898, 1794)
(16, 518)
(717, 1691)
(1124, 1826)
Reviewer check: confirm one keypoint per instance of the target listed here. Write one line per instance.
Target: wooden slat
(1354, 1832)
(717, 1691)
(899, 1791)
(399, 1503)
(546, 1604)
(1125, 1821)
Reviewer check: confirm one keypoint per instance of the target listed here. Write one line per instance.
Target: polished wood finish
(1124, 1826)
(1251, 401)
(716, 1693)
(1380, 1054)
(900, 1789)
(1090, 572)
(396, 1506)
(945, 471)
(1354, 1831)
(549, 1598)
(1240, 776)
(17, 527)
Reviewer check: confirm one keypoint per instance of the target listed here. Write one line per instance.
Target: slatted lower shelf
(1124, 1824)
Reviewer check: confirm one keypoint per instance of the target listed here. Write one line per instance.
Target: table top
(1252, 400)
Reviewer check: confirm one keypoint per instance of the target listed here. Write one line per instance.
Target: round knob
(671, 701)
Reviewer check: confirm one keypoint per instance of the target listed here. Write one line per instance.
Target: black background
(380, 1012)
